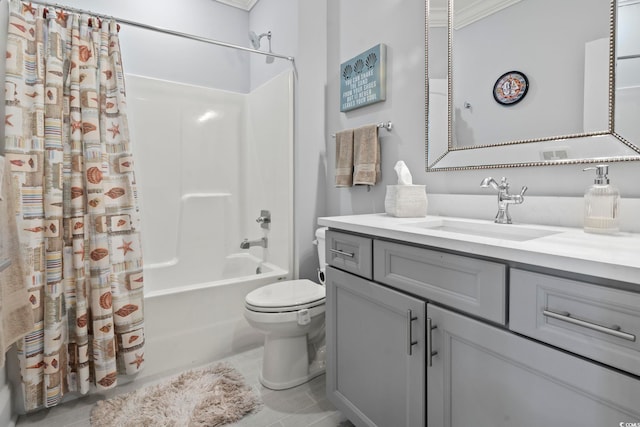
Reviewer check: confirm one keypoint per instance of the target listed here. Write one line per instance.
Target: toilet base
(292, 383)
(285, 363)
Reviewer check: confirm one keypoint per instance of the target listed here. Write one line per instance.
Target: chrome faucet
(246, 243)
(504, 198)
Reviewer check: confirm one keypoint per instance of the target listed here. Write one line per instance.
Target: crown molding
(438, 16)
(467, 12)
(478, 9)
(240, 4)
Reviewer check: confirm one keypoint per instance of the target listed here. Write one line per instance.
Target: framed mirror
(531, 82)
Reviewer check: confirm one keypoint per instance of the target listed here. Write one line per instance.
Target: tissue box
(406, 201)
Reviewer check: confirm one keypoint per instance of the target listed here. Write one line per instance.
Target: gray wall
(355, 26)
(310, 157)
(350, 28)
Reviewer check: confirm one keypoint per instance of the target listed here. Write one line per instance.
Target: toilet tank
(320, 243)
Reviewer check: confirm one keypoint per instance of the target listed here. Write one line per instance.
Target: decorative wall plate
(510, 88)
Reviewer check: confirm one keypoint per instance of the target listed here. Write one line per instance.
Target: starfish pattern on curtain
(67, 144)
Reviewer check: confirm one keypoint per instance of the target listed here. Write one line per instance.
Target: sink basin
(514, 232)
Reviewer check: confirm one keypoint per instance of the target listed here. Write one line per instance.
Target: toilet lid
(290, 293)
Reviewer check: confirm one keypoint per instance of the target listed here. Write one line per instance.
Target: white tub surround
(209, 161)
(614, 257)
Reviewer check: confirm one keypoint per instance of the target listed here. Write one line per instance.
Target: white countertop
(615, 257)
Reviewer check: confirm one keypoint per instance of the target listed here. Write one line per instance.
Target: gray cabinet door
(483, 376)
(375, 352)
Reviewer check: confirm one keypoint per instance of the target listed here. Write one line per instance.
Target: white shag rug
(207, 397)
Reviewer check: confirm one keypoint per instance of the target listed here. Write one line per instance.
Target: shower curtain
(67, 144)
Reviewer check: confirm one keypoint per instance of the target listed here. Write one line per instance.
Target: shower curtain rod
(163, 30)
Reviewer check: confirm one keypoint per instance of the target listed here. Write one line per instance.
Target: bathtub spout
(246, 243)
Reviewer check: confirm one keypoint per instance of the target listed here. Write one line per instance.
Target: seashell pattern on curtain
(67, 144)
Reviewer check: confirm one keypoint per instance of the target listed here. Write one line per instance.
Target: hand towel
(366, 155)
(16, 316)
(344, 158)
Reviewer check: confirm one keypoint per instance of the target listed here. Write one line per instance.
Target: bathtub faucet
(246, 243)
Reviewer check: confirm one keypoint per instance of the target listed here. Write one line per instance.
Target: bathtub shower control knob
(304, 318)
(264, 219)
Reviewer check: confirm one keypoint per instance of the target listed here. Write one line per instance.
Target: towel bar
(385, 125)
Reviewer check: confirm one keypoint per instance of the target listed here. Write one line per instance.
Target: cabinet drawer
(475, 286)
(349, 253)
(594, 321)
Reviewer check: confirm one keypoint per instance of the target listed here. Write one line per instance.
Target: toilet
(291, 316)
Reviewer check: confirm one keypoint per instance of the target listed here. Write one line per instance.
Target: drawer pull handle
(410, 342)
(339, 252)
(430, 352)
(566, 317)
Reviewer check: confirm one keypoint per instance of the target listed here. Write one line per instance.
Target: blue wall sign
(363, 79)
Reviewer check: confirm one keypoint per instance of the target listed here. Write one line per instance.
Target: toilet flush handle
(304, 318)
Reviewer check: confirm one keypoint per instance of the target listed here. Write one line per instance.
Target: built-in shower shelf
(4, 264)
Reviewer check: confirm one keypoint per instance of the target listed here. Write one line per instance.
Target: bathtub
(190, 325)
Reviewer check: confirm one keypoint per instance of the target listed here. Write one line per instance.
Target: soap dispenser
(601, 202)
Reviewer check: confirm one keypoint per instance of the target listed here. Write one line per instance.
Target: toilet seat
(286, 296)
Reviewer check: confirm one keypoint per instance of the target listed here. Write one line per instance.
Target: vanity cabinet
(420, 336)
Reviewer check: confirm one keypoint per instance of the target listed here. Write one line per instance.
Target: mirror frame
(453, 158)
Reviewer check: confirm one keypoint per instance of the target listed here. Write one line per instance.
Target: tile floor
(305, 405)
